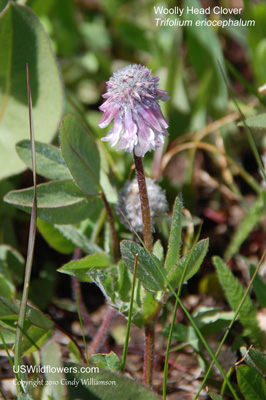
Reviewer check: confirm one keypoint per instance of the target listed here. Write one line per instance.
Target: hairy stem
(102, 332)
(148, 355)
(147, 238)
(77, 294)
(144, 200)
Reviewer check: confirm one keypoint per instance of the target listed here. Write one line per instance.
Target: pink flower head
(132, 102)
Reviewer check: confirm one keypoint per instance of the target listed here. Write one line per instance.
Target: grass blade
(31, 243)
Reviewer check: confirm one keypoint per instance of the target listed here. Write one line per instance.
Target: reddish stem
(144, 200)
(148, 355)
(102, 332)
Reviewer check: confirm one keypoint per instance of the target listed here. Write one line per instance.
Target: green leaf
(76, 236)
(147, 268)
(110, 362)
(59, 202)
(259, 359)
(191, 262)
(259, 287)
(175, 238)
(8, 338)
(49, 160)
(185, 334)
(118, 386)
(11, 264)
(147, 310)
(158, 250)
(42, 288)
(214, 395)
(54, 238)
(34, 338)
(212, 320)
(52, 358)
(256, 122)
(116, 283)
(80, 268)
(34, 316)
(253, 216)
(23, 40)
(234, 293)
(251, 383)
(81, 155)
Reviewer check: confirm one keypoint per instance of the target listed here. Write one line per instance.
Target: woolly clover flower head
(132, 102)
(129, 202)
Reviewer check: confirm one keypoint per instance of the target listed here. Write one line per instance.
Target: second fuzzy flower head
(132, 102)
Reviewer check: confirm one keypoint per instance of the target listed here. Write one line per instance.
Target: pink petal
(108, 115)
(148, 115)
(130, 126)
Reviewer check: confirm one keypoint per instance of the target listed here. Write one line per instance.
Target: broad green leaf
(124, 282)
(110, 361)
(212, 320)
(9, 338)
(7, 289)
(72, 233)
(148, 267)
(116, 283)
(253, 216)
(42, 288)
(23, 40)
(259, 287)
(259, 359)
(108, 280)
(81, 155)
(52, 358)
(54, 238)
(49, 160)
(158, 250)
(118, 387)
(34, 316)
(234, 293)
(256, 122)
(80, 268)
(251, 383)
(185, 334)
(34, 338)
(175, 238)
(148, 309)
(59, 202)
(191, 262)
(11, 263)
(214, 395)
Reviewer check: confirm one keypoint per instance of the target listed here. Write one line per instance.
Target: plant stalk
(31, 244)
(148, 242)
(144, 200)
(102, 332)
(148, 355)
